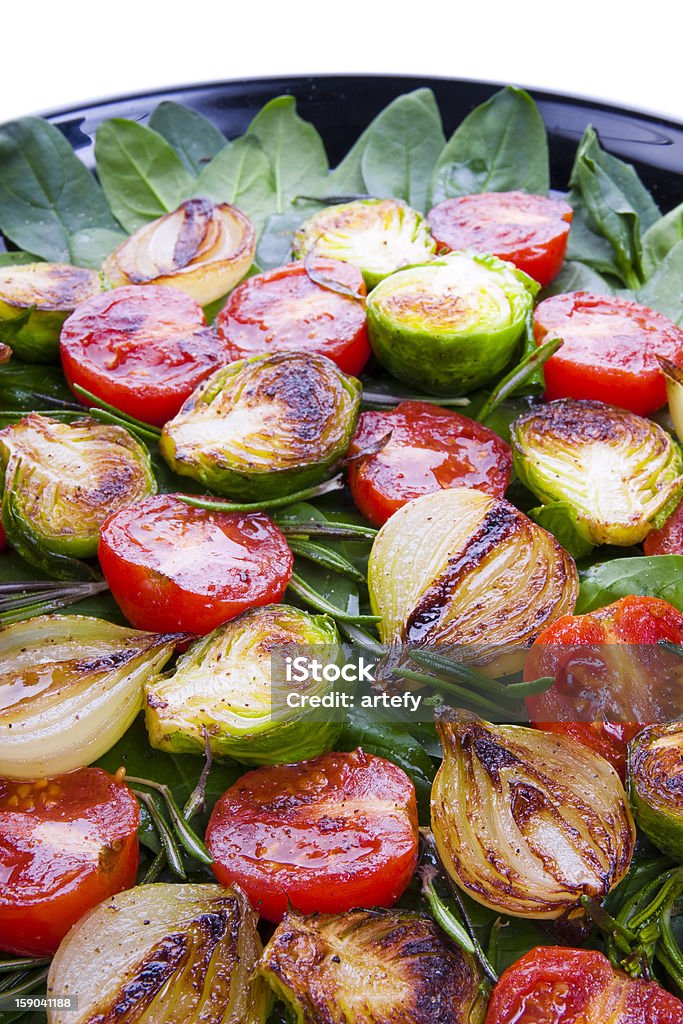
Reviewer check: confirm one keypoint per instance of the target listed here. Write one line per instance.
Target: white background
(72, 50)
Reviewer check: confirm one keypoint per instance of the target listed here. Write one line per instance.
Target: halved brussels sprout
(451, 325)
(70, 686)
(376, 235)
(371, 967)
(461, 567)
(655, 780)
(201, 248)
(39, 297)
(674, 393)
(619, 474)
(162, 954)
(225, 685)
(61, 481)
(527, 822)
(264, 427)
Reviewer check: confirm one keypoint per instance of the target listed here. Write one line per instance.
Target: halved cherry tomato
(556, 985)
(172, 567)
(285, 309)
(668, 540)
(610, 350)
(529, 231)
(3, 539)
(66, 844)
(603, 695)
(142, 348)
(429, 448)
(336, 832)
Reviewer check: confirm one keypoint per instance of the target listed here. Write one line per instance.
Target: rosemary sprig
(374, 398)
(443, 916)
(22, 963)
(166, 835)
(24, 600)
(23, 983)
(311, 597)
(123, 418)
(216, 505)
(326, 557)
(472, 698)
(521, 373)
(185, 835)
(333, 531)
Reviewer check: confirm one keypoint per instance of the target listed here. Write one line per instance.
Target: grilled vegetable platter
(424, 408)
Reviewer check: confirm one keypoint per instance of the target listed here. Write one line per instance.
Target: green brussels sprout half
(618, 475)
(61, 481)
(224, 687)
(376, 235)
(371, 966)
(264, 427)
(655, 782)
(451, 325)
(35, 300)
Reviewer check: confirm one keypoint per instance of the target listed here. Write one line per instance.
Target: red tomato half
(66, 844)
(142, 348)
(430, 448)
(668, 540)
(286, 310)
(3, 539)
(592, 683)
(610, 350)
(529, 231)
(336, 832)
(555, 985)
(172, 567)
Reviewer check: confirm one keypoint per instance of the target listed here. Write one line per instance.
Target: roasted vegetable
(527, 822)
(265, 426)
(35, 300)
(674, 393)
(461, 567)
(376, 235)
(61, 481)
(451, 325)
(69, 688)
(162, 954)
(371, 967)
(655, 782)
(225, 684)
(617, 475)
(201, 248)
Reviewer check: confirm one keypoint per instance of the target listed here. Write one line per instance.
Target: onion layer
(527, 822)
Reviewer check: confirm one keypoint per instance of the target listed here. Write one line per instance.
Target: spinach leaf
(275, 245)
(499, 147)
(618, 203)
(191, 135)
(15, 259)
(142, 176)
(649, 576)
(347, 177)
(559, 519)
(660, 238)
(240, 174)
(402, 149)
(294, 148)
(27, 386)
(46, 194)
(91, 246)
(586, 245)
(664, 289)
(511, 938)
(577, 277)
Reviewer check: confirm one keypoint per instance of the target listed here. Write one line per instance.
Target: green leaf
(619, 205)
(577, 277)
(664, 289)
(294, 148)
(647, 576)
(275, 244)
(402, 149)
(660, 238)
(586, 245)
(46, 194)
(14, 259)
(511, 938)
(192, 136)
(559, 519)
(27, 386)
(91, 246)
(501, 146)
(142, 176)
(240, 174)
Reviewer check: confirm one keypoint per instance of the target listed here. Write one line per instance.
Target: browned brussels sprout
(655, 780)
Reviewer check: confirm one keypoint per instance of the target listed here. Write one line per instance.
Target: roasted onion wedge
(528, 822)
(371, 967)
(41, 295)
(224, 687)
(162, 954)
(619, 474)
(461, 567)
(70, 686)
(201, 248)
(266, 426)
(62, 480)
(655, 781)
